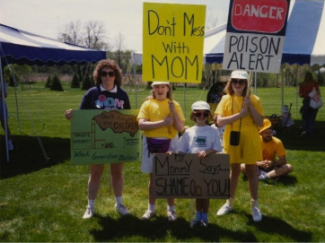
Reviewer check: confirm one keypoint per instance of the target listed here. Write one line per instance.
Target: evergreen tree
(87, 83)
(48, 82)
(75, 82)
(56, 84)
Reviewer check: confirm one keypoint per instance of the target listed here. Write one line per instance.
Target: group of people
(161, 120)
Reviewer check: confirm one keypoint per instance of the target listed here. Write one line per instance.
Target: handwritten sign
(102, 137)
(255, 35)
(173, 36)
(187, 176)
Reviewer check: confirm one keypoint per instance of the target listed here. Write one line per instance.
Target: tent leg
(3, 108)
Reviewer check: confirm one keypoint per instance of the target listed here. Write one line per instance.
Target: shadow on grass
(28, 155)
(271, 225)
(293, 140)
(133, 229)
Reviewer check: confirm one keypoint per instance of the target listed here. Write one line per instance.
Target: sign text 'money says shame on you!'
(173, 36)
(255, 35)
(188, 176)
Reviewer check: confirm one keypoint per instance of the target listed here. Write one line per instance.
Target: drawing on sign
(104, 137)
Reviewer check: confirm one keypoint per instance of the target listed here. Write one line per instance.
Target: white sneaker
(148, 215)
(171, 215)
(89, 213)
(120, 208)
(256, 213)
(224, 210)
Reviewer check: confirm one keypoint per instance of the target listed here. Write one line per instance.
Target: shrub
(75, 83)
(56, 84)
(87, 83)
(48, 82)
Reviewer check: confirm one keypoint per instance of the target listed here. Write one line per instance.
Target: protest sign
(255, 35)
(173, 36)
(102, 136)
(188, 176)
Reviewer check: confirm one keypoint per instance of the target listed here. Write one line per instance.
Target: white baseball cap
(159, 82)
(200, 105)
(239, 74)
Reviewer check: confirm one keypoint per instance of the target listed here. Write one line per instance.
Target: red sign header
(267, 16)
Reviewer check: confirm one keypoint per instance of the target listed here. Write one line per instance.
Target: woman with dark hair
(308, 114)
(242, 112)
(106, 95)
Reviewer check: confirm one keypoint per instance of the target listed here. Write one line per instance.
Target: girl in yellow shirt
(242, 112)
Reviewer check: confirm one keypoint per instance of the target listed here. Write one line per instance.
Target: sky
(48, 17)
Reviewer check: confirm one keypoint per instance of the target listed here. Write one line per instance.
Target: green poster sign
(104, 137)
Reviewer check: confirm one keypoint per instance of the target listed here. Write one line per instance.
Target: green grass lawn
(43, 196)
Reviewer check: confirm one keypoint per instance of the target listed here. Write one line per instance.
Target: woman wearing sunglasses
(242, 112)
(106, 95)
(200, 139)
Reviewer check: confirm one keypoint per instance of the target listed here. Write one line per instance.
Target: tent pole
(297, 91)
(3, 109)
(282, 87)
(184, 89)
(135, 88)
(255, 83)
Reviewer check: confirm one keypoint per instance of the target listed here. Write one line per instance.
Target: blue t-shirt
(94, 98)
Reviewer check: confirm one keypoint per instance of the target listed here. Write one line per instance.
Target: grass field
(42, 200)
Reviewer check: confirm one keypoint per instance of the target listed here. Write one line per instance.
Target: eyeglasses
(110, 73)
(238, 81)
(201, 113)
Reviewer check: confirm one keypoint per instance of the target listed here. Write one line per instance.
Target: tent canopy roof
(21, 47)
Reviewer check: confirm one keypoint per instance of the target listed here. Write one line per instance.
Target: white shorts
(147, 158)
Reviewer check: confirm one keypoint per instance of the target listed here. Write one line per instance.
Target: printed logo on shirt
(200, 141)
(109, 103)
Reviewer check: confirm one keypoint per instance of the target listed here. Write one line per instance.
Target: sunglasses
(201, 113)
(238, 81)
(110, 73)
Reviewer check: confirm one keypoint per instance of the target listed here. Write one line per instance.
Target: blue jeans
(308, 117)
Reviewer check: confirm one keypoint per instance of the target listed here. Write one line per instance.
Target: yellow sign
(173, 37)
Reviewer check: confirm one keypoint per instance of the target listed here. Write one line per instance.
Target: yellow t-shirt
(156, 110)
(272, 149)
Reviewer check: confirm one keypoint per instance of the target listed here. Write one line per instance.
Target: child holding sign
(160, 119)
(203, 140)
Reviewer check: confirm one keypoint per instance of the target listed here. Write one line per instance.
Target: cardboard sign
(173, 36)
(255, 35)
(187, 176)
(104, 137)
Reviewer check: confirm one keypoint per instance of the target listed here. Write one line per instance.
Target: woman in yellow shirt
(242, 112)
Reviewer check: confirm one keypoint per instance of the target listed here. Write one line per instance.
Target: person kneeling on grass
(272, 147)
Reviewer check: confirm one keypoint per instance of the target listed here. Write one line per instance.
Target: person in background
(4, 113)
(274, 163)
(308, 114)
(105, 95)
(161, 119)
(200, 139)
(242, 112)
(215, 93)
